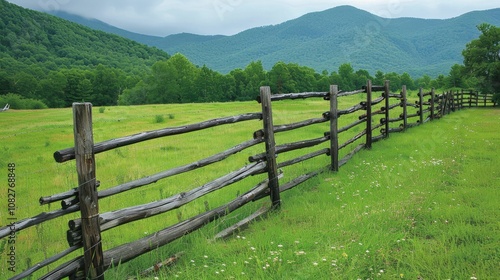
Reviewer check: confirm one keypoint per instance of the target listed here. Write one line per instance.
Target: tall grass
(422, 203)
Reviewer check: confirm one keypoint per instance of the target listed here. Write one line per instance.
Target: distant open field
(422, 203)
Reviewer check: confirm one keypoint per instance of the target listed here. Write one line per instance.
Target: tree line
(177, 80)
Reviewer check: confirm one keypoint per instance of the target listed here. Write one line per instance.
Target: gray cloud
(164, 17)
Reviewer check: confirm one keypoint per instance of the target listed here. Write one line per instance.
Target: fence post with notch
(272, 166)
(334, 136)
(87, 191)
(369, 114)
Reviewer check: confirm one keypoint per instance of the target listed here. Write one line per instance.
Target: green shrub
(102, 109)
(36, 104)
(159, 119)
(17, 101)
(496, 98)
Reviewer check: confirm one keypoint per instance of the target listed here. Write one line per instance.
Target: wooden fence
(85, 232)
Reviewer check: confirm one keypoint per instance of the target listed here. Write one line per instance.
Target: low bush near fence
(17, 101)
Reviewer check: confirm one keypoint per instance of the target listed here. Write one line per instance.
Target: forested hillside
(326, 39)
(44, 57)
(53, 62)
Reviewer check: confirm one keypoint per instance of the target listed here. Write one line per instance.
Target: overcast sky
(228, 17)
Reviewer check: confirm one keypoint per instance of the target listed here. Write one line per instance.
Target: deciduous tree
(482, 58)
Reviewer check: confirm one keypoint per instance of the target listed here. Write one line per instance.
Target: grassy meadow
(423, 203)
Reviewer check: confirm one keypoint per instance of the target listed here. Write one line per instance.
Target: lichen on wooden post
(433, 97)
(87, 190)
(369, 115)
(421, 105)
(334, 139)
(272, 166)
(387, 91)
(461, 98)
(404, 101)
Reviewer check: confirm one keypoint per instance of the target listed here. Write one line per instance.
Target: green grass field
(423, 203)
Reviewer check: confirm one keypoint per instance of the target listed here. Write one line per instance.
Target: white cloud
(164, 17)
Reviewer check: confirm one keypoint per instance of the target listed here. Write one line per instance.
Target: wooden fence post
(455, 100)
(405, 107)
(461, 99)
(433, 97)
(334, 136)
(387, 91)
(470, 98)
(87, 190)
(421, 105)
(444, 104)
(451, 108)
(452, 96)
(369, 114)
(452, 102)
(272, 167)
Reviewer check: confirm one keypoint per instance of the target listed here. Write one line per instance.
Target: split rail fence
(85, 232)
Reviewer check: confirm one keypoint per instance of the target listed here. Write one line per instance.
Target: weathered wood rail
(85, 232)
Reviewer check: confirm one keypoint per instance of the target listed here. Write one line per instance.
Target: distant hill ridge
(324, 40)
(29, 36)
(57, 62)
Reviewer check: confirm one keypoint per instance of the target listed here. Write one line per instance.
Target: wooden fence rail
(85, 231)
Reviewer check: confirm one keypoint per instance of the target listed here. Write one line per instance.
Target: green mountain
(24, 32)
(55, 62)
(59, 62)
(324, 40)
(102, 26)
